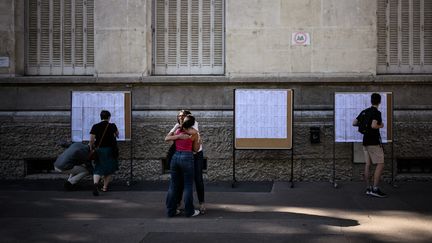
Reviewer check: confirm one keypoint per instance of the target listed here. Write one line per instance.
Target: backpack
(363, 121)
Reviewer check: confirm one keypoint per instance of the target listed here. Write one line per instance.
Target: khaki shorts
(374, 153)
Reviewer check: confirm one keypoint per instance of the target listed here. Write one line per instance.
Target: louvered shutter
(60, 37)
(404, 33)
(189, 37)
(428, 34)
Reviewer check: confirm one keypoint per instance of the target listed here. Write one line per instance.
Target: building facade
(192, 54)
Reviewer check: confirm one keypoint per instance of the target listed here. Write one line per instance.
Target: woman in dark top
(103, 137)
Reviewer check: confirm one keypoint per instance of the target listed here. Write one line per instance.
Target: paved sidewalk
(310, 212)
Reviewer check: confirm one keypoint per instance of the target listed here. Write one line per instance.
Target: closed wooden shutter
(404, 33)
(188, 37)
(60, 37)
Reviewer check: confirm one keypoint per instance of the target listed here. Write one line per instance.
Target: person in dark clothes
(103, 138)
(372, 146)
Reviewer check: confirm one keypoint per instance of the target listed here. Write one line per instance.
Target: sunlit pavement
(309, 212)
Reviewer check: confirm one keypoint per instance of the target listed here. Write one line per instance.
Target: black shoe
(368, 191)
(377, 193)
(95, 190)
(68, 186)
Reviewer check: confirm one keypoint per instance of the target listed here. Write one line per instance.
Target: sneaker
(377, 193)
(196, 213)
(202, 208)
(368, 191)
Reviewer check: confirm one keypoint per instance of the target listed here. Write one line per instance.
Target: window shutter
(56, 58)
(218, 33)
(172, 35)
(404, 36)
(90, 36)
(79, 34)
(416, 36)
(60, 36)
(33, 37)
(67, 38)
(428, 35)
(382, 32)
(44, 58)
(188, 37)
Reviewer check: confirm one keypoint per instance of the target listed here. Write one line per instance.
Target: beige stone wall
(122, 37)
(258, 37)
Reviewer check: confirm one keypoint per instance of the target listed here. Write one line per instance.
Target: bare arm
(92, 141)
(191, 131)
(375, 124)
(195, 142)
(171, 137)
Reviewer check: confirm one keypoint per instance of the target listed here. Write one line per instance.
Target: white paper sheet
(86, 108)
(261, 113)
(347, 107)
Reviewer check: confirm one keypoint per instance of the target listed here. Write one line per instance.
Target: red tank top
(183, 144)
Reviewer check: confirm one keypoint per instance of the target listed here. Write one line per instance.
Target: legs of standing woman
(96, 179)
(199, 182)
(106, 180)
(188, 177)
(172, 196)
(182, 167)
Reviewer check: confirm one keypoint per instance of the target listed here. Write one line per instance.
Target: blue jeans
(182, 174)
(198, 178)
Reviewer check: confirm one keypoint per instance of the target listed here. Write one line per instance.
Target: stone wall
(35, 135)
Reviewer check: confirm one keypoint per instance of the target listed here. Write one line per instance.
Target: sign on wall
(263, 118)
(86, 108)
(300, 39)
(348, 106)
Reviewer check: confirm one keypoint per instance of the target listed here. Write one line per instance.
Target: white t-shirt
(195, 126)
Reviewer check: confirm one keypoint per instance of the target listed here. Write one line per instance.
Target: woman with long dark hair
(182, 168)
(198, 160)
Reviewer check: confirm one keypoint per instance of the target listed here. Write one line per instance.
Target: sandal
(202, 209)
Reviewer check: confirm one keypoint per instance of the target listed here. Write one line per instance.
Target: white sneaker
(196, 213)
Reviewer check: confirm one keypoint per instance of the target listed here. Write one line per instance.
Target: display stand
(264, 142)
(86, 107)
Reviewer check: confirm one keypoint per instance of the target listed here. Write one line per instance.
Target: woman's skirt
(106, 163)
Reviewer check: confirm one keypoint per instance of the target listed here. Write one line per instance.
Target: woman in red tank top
(182, 168)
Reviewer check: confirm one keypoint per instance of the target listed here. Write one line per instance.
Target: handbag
(93, 152)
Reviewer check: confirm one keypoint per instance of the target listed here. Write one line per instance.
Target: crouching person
(74, 161)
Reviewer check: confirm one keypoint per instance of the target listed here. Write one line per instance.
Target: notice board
(263, 118)
(86, 108)
(348, 106)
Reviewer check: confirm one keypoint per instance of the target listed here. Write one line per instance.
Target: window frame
(404, 42)
(61, 67)
(179, 69)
